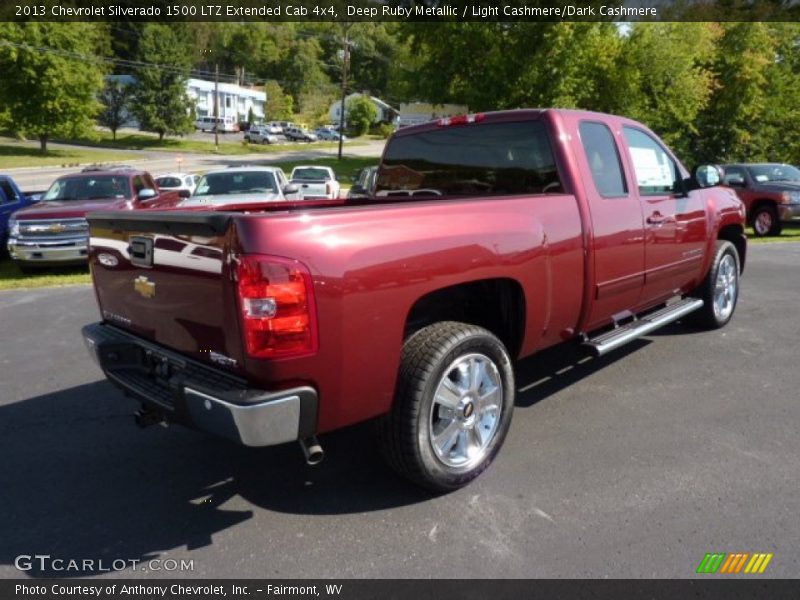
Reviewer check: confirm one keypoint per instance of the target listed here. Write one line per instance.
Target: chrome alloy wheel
(465, 412)
(725, 288)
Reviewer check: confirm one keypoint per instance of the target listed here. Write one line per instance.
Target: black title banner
(399, 10)
(372, 589)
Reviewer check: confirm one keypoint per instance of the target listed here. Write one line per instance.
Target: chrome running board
(611, 340)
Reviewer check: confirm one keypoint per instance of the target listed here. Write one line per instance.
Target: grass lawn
(344, 169)
(12, 278)
(144, 141)
(790, 233)
(15, 154)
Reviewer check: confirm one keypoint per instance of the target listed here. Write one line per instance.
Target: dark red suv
(770, 192)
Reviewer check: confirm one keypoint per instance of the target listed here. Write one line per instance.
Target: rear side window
(603, 158)
(656, 172)
(168, 182)
(471, 160)
(734, 176)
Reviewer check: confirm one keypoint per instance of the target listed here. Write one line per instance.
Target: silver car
(260, 134)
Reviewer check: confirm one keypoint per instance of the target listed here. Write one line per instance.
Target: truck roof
(503, 115)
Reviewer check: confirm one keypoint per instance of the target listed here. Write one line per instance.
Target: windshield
(95, 187)
(774, 172)
(240, 182)
(310, 173)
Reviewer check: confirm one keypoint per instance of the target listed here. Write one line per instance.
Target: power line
(117, 61)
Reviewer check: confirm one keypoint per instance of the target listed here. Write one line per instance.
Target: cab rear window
(480, 159)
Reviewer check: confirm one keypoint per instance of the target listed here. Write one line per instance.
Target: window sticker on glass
(649, 170)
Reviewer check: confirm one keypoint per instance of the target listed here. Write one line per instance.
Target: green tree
(735, 123)
(302, 69)
(664, 80)
(160, 100)
(116, 106)
(280, 106)
(490, 66)
(51, 80)
(361, 114)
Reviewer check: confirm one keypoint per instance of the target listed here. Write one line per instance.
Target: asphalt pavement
(634, 465)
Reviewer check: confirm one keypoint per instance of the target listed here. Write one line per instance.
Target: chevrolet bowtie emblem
(144, 286)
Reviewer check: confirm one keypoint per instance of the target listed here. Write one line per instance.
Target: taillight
(276, 301)
(461, 120)
(328, 188)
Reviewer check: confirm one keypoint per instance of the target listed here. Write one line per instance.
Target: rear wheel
(720, 289)
(766, 221)
(453, 406)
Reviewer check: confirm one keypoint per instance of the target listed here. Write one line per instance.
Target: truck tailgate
(313, 188)
(166, 278)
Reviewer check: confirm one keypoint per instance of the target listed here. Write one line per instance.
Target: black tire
(765, 221)
(406, 434)
(710, 317)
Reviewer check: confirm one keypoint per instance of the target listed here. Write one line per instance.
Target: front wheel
(766, 221)
(720, 289)
(453, 406)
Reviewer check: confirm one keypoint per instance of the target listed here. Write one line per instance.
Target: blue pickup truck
(11, 200)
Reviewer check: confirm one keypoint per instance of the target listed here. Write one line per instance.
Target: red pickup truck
(487, 238)
(770, 193)
(55, 232)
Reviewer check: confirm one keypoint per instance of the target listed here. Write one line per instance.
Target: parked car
(12, 199)
(770, 192)
(328, 134)
(568, 225)
(220, 124)
(299, 135)
(54, 231)
(180, 182)
(363, 183)
(274, 128)
(260, 134)
(315, 182)
(242, 185)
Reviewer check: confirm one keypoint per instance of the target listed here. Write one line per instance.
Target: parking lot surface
(634, 465)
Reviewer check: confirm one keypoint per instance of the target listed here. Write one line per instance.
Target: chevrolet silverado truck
(54, 232)
(770, 193)
(279, 322)
(315, 182)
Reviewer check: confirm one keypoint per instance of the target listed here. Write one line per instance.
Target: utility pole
(216, 107)
(345, 65)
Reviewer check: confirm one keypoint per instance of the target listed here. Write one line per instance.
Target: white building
(234, 100)
(386, 114)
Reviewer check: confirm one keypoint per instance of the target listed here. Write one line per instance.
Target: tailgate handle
(141, 251)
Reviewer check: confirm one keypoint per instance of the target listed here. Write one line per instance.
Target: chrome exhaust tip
(312, 451)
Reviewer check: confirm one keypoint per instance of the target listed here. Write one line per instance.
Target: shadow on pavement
(82, 481)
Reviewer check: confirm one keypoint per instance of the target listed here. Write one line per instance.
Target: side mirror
(707, 175)
(291, 189)
(146, 194)
(184, 193)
